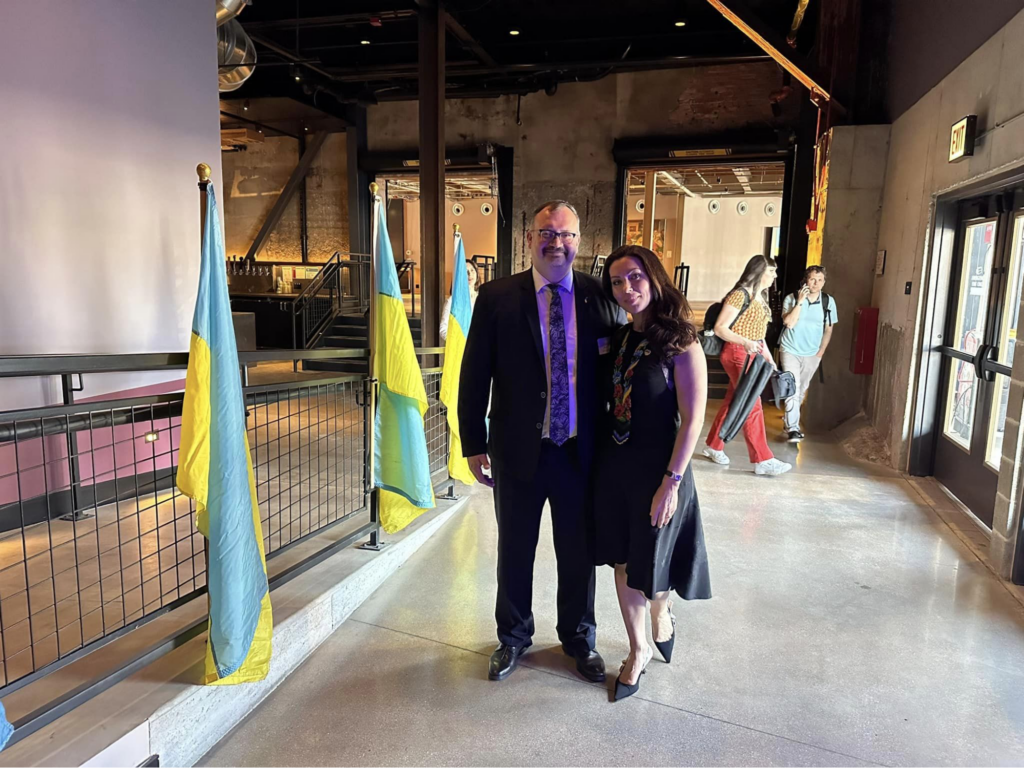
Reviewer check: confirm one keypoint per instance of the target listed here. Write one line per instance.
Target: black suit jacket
(504, 358)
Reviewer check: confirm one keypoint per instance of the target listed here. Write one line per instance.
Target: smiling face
(767, 278)
(631, 286)
(553, 242)
(471, 274)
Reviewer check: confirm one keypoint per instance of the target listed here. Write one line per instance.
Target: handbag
(783, 387)
(709, 340)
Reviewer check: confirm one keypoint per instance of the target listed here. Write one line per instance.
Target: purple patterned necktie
(559, 428)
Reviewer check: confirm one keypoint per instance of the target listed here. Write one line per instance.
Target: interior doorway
(979, 332)
(705, 220)
(471, 201)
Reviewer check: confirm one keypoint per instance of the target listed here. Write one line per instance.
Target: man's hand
(477, 465)
(805, 292)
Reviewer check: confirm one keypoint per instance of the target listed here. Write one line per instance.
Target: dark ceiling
(310, 50)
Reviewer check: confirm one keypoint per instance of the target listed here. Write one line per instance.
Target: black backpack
(708, 340)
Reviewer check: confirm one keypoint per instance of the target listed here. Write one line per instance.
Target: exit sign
(961, 138)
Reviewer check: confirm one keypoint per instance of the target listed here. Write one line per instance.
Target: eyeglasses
(549, 234)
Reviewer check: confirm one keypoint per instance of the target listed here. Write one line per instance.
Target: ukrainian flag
(401, 466)
(215, 469)
(454, 349)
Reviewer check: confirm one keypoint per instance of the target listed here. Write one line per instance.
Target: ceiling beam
(459, 69)
(686, 190)
(468, 41)
(314, 22)
(737, 13)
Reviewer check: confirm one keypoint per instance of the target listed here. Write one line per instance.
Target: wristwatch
(673, 475)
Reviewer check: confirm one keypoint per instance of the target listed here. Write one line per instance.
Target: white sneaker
(718, 457)
(772, 467)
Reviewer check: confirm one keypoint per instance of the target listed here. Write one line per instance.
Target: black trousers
(519, 505)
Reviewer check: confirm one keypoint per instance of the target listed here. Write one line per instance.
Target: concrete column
(857, 161)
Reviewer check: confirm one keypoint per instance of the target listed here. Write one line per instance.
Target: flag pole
(204, 172)
(374, 544)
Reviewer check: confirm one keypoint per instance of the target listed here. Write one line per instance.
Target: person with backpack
(808, 317)
(741, 322)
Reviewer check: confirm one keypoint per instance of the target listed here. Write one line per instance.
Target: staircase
(350, 331)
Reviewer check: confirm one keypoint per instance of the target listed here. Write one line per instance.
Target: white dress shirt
(569, 315)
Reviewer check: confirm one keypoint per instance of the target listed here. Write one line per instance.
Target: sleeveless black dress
(626, 478)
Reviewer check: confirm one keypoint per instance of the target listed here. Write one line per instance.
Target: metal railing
(340, 284)
(487, 265)
(435, 420)
(95, 538)
(682, 278)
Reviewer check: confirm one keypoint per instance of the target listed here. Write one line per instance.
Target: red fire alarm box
(865, 332)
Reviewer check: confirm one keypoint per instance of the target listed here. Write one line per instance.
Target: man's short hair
(813, 270)
(554, 205)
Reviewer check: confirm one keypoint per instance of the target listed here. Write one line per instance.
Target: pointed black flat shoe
(665, 648)
(624, 690)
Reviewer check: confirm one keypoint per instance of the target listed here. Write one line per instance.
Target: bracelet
(673, 475)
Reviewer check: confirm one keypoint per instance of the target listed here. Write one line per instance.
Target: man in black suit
(534, 347)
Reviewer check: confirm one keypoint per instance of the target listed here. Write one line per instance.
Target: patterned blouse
(752, 324)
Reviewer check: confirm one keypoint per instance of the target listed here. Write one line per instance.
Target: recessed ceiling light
(680, 23)
(364, 42)
(513, 32)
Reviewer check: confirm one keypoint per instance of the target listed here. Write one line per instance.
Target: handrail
(317, 283)
(67, 365)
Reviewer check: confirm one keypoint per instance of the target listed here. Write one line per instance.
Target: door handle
(986, 353)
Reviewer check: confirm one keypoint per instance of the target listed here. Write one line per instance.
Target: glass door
(985, 295)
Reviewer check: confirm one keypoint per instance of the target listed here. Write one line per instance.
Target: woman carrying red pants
(743, 331)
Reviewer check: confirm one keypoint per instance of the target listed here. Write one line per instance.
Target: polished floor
(850, 626)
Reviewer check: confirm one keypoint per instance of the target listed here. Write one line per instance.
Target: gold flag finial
(373, 188)
(456, 228)
(204, 171)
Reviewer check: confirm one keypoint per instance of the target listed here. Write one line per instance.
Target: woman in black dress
(646, 514)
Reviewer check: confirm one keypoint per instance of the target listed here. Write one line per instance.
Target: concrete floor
(849, 626)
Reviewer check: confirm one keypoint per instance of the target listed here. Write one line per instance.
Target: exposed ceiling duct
(236, 54)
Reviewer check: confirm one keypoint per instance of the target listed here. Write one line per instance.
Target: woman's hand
(752, 347)
(664, 504)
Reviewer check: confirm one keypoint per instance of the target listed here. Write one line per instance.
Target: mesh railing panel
(94, 534)
(435, 423)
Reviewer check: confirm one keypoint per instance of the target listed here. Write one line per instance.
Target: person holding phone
(808, 317)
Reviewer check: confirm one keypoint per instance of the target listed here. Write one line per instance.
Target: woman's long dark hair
(752, 273)
(669, 329)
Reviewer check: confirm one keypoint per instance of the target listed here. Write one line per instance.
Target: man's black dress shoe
(589, 664)
(504, 660)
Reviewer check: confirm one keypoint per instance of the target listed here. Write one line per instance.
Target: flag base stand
(374, 544)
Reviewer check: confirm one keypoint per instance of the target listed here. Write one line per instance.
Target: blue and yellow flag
(215, 469)
(401, 469)
(454, 348)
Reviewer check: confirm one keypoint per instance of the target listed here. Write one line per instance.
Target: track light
(364, 42)
(680, 23)
(513, 32)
